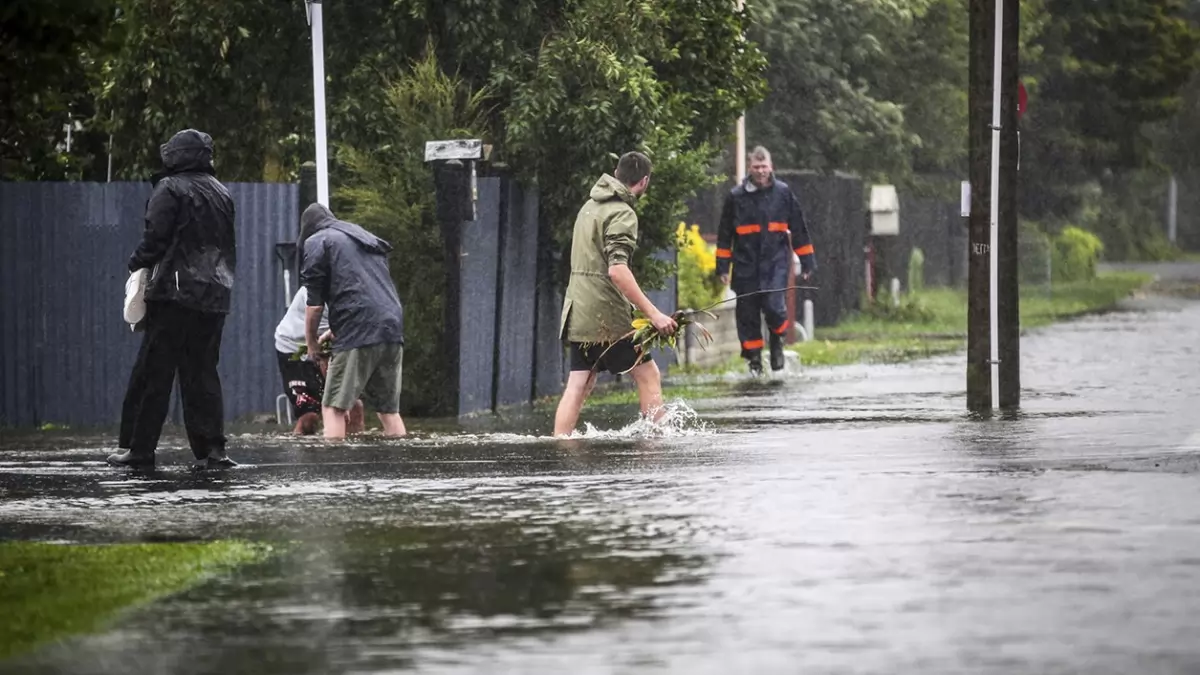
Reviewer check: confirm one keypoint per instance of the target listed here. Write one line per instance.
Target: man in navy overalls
(761, 226)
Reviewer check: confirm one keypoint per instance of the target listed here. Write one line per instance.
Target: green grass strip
(866, 339)
(887, 350)
(947, 309)
(49, 591)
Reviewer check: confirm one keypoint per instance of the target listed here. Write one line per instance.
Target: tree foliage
(47, 71)
(666, 78)
(388, 189)
(875, 87)
(1107, 73)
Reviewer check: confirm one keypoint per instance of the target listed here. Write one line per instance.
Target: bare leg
(335, 422)
(579, 386)
(307, 424)
(355, 423)
(649, 386)
(393, 424)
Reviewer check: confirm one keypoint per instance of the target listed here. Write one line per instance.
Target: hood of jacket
(188, 151)
(750, 186)
(318, 217)
(608, 188)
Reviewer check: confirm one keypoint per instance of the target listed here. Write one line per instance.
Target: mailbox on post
(885, 211)
(455, 176)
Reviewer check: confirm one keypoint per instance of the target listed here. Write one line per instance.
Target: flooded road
(848, 520)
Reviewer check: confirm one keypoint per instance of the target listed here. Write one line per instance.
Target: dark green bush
(389, 190)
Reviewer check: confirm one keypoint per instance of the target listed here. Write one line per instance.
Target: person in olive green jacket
(597, 311)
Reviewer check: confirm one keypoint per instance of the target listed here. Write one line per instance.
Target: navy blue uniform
(760, 229)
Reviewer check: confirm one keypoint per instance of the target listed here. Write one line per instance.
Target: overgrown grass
(946, 309)
(941, 329)
(885, 350)
(49, 591)
(1065, 301)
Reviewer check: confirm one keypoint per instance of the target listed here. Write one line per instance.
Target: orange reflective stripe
(782, 328)
(777, 227)
(724, 253)
(805, 250)
(749, 229)
(752, 344)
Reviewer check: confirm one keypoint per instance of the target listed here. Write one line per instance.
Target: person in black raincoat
(761, 226)
(188, 246)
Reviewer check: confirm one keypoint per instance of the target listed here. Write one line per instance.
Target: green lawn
(941, 329)
(50, 590)
(936, 321)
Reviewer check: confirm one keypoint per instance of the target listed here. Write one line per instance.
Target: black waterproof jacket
(188, 243)
(345, 268)
(760, 228)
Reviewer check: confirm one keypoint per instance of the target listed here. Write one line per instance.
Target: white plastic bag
(135, 298)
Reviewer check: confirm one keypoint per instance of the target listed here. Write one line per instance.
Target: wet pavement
(842, 520)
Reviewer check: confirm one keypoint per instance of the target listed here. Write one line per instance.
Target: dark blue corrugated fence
(66, 351)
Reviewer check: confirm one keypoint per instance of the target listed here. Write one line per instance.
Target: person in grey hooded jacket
(346, 268)
(188, 245)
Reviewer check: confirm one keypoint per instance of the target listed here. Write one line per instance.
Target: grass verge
(935, 321)
(49, 591)
(937, 326)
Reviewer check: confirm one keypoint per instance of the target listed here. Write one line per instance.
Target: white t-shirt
(289, 334)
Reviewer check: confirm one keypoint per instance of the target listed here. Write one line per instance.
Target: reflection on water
(367, 595)
(849, 520)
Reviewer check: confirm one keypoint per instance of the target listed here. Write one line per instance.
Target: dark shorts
(303, 384)
(620, 358)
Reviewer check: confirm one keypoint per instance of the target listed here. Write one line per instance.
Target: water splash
(679, 419)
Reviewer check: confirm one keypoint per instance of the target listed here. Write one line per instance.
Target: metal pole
(318, 56)
(994, 204)
(1172, 208)
(1008, 275)
(741, 149)
(741, 129)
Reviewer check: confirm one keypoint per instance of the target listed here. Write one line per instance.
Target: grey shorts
(372, 373)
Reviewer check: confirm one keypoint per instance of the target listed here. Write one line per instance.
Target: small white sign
(965, 200)
(885, 210)
(465, 148)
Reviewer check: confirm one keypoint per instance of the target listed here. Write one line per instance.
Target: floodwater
(851, 520)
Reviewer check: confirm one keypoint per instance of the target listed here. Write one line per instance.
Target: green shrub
(911, 309)
(916, 270)
(388, 189)
(697, 261)
(1123, 210)
(1075, 255)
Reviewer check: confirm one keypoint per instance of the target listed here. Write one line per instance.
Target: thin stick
(746, 295)
(701, 311)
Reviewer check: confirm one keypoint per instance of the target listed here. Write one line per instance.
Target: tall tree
(825, 110)
(48, 50)
(1107, 70)
(237, 70)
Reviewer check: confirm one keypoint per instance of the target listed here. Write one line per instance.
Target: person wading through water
(346, 268)
(761, 226)
(188, 244)
(596, 311)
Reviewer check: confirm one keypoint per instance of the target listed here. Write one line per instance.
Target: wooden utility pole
(990, 345)
(1007, 277)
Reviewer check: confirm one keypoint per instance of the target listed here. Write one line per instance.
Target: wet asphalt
(836, 520)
